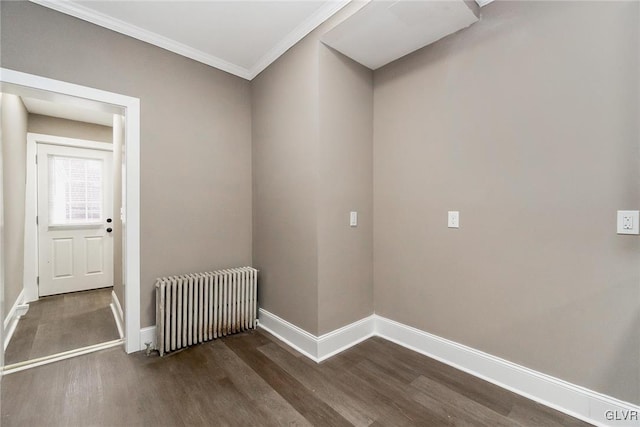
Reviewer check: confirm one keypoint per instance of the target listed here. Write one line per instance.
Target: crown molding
(117, 25)
(482, 3)
(130, 30)
(301, 31)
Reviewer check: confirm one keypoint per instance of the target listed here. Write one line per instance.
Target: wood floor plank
(61, 323)
(376, 353)
(319, 382)
(275, 409)
(250, 379)
(21, 344)
(384, 402)
(111, 371)
(397, 391)
(301, 398)
(20, 391)
(483, 392)
(283, 346)
(530, 413)
(462, 411)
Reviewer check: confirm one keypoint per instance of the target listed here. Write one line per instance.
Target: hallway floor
(63, 322)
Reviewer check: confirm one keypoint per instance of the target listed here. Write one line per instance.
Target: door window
(75, 191)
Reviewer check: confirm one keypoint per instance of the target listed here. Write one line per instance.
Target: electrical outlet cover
(453, 219)
(628, 222)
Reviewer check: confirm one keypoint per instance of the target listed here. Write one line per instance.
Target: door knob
(109, 220)
(109, 230)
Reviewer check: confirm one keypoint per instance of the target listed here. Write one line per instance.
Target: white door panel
(62, 257)
(75, 251)
(94, 254)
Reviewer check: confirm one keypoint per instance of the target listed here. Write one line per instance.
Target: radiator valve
(148, 349)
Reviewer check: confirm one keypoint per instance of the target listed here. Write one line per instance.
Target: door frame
(31, 264)
(131, 183)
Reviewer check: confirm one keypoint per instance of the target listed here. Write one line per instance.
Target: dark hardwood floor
(252, 379)
(63, 322)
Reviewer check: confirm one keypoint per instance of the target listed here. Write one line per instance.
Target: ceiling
(242, 37)
(67, 111)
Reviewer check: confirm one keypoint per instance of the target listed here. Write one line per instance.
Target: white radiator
(199, 307)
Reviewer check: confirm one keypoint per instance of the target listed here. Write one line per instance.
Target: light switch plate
(453, 219)
(353, 219)
(628, 222)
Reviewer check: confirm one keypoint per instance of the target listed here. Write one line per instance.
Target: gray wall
(285, 173)
(312, 123)
(14, 157)
(527, 124)
(345, 162)
(69, 128)
(195, 137)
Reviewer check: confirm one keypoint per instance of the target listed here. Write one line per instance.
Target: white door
(75, 206)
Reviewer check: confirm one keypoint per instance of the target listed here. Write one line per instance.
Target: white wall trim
(17, 81)
(122, 27)
(18, 310)
(69, 142)
(30, 273)
(118, 316)
(2, 334)
(337, 341)
(28, 364)
(298, 338)
(136, 32)
(574, 400)
(563, 396)
(310, 24)
(316, 348)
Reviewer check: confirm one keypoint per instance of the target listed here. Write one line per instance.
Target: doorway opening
(73, 235)
(74, 219)
(76, 224)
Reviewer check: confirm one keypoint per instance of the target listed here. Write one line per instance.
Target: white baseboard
(341, 339)
(116, 308)
(295, 337)
(18, 310)
(577, 401)
(316, 348)
(147, 335)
